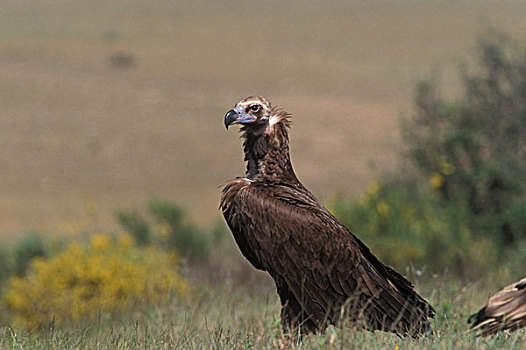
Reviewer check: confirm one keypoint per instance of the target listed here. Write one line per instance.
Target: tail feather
(398, 297)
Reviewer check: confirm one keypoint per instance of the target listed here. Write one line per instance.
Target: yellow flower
(100, 241)
(91, 207)
(445, 167)
(331, 339)
(374, 188)
(383, 208)
(364, 200)
(436, 180)
(84, 281)
(163, 230)
(173, 258)
(73, 228)
(125, 241)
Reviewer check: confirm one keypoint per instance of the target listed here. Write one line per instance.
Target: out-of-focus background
(409, 123)
(111, 103)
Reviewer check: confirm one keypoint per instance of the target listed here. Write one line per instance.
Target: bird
(506, 310)
(324, 275)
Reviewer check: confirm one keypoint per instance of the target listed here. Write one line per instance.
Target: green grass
(229, 315)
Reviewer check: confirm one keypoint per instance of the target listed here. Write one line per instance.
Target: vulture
(324, 275)
(505, 310)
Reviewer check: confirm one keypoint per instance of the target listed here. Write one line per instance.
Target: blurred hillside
(113, 103)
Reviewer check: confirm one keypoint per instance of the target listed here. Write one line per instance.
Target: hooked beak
(237, 116)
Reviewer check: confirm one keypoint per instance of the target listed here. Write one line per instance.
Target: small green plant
(122, 59)
(29, 247)
(6, 265)
(191, 242)
(170, 230)
(167, 212)
(136, 226)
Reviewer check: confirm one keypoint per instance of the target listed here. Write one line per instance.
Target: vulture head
(252, 112)
(264, 129)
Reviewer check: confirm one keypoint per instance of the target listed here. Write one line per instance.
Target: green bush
(29, 247)
(5, 265)
(136, 226)
(405, 224)
(15, 259)
(462, 206)
(170, 230)
(190, 242)
(167, 212)
(474, 149)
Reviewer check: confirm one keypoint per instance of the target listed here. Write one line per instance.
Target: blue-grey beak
(238, 116)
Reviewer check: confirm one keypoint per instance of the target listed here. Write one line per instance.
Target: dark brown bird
(323, 273)
(505, 310)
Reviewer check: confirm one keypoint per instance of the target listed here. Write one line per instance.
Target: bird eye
(255, 108)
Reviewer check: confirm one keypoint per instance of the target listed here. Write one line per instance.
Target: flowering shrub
(105, 276)
(405, 226)
(461, 205)
(473, 148)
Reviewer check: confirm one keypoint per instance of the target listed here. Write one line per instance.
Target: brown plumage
(505, 310)
(323, 273)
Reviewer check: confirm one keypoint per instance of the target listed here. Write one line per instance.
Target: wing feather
(505, 310)
(291, 235)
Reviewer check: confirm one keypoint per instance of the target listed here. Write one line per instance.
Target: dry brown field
(107, 104)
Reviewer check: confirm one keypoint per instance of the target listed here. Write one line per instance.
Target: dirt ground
(106, 105)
